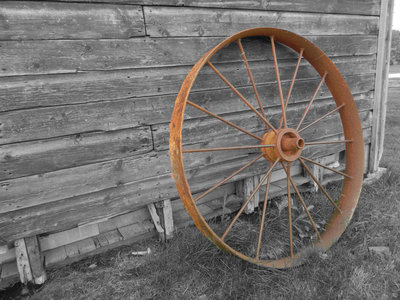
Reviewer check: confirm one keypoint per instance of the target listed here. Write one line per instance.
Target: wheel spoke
(319, 119)
(228, 178)
(223, 120)
(302, 202)
(311, 101)
(241, 97)
(243, 54)
(227, 148)
(263, 216)
(248, 199)
(278, 80)
(289, 211)
(327, 142)
(292, 83)
(320, 185)
(326, 167)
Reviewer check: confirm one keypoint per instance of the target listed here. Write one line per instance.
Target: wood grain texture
(38, 157)
(24, 20)
(62, 215)
(170, 21)
(71, 56)
(53, 186)
(369, 7)
(49, 122)
(203, 130)
(61, 89)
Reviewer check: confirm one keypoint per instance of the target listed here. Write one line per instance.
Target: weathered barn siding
(86, 93)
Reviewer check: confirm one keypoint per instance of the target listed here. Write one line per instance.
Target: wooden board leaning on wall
(71, 56)
(362, 7)
(48, 122)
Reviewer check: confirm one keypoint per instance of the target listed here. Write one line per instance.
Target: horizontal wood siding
(170, 21)
(25, 20)
(87, 89)
(362, 7)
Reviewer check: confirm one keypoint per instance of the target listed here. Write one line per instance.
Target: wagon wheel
(280, 146)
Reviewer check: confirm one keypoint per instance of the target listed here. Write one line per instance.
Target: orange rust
(288, 145)
(351, 128)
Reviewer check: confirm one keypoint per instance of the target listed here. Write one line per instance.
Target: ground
(189, 267)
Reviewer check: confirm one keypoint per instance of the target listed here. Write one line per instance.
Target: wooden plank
(80, 247)
(43, 123)
(169, 227)
(370, 7)
(7, 256)
(381, 84)
(19, 92)
(118, 243)
(38, 189)
(25, 20)
(126, 219)
(136, 229)
(228, 189)
(54, 255)
(156, 220)
(204, 130)
(61, 215)
(9, 269)
(24, 268)
(62, 238)
(35, 260)
(71, 56)
(244, 188)
(170, 21)
(44, 156)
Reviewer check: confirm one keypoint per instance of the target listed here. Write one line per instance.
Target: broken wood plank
(35, 260)
(62, 21)
(156, 220)
(170, 21)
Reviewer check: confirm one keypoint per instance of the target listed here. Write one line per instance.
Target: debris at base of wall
(141, 253)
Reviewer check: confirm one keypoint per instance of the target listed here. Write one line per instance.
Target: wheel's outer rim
(351, 127)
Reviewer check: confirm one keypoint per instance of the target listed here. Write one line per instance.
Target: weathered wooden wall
(87, 88)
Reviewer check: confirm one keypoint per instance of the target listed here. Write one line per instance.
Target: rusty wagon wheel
(281, 145)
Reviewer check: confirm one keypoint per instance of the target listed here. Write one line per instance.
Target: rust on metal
(279, 144)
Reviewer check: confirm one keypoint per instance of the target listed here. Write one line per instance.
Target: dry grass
(190, 267)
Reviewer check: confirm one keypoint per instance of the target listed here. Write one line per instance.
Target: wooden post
(161, 214)
(35, 259)
(23, 265)
(244, 188)
(30, 260)
(381, 83)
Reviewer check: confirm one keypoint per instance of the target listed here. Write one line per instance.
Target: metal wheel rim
(351, 127)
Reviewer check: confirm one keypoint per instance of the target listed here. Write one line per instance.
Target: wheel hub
(288, 145)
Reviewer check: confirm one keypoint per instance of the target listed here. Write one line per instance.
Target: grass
(190, 267)
(394, 69)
